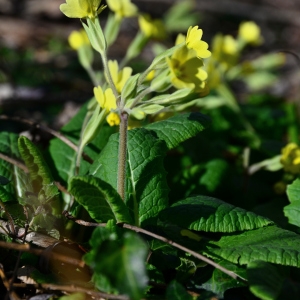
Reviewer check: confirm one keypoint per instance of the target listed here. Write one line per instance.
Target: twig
(13, 161)
(49, 130)
(22, 166)
(41, 252)
(11, 294)
(14, 275)
(36, 238)
(71, 289)
(165, 240)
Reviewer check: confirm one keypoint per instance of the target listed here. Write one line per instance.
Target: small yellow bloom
(106, 100)
(113, 119)
(193, 41)
(250, 33)
(290, 158)
(78, 38)
(230, 45)
(152, 28)
(122, 8)
(119, 77)
(82, 8)
(186, 69)
(150, 75)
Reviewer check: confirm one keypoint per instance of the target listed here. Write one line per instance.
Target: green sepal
(129, 87)
(95, 34)
(112, 28)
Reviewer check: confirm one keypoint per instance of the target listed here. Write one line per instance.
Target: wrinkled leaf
(269, 244)
(146, 181)
(99, 198)
(204, 213)
(39, 172)
(179, 128)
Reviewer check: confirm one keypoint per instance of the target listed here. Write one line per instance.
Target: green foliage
(41, 179)
(101, 201)
(219, 282)
(203, 213)
(118, 262)
(269, 244)
(204, 193)
(9, 147)
(176, 291)
(292, 210)
(265, 280)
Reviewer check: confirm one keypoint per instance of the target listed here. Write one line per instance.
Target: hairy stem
(122, 155)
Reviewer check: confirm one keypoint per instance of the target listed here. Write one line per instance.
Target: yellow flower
(152, 28)
(77, 39)
(113, 119)
(106, 100)
(250, 33)
(230, 45)
(290, 158)
(82, 8)
(193, 41)
(150, 75)
(119, 77)
(122, 8)
(186, 69)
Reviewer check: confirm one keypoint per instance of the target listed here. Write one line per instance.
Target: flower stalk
(121, 186)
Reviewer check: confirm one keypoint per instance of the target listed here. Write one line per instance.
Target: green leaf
(220, 282)
(215, 172)
(100, 199)
(270, 244)
(146, 192)
(5, 195)
(175, 291)
(179, 128)
(265, 280)
(292, 211)
(39, 172)
(203, 213)
(64, 158)
(121, 261)
(9, 147)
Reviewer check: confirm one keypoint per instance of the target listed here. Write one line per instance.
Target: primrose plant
(117, 181)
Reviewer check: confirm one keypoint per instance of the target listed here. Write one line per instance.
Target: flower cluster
(186, 64)
(118, 91)
(290, 158)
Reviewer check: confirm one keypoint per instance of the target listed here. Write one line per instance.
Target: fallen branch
(49, 130)
(163, 239)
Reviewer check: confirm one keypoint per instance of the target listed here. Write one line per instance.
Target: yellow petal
(113, 119)
(110, 100)
(99, 96)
